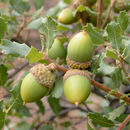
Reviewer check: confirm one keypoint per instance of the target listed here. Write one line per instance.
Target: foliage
(110, 61)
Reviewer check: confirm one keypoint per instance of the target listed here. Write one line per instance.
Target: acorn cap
(43, 74)
(75, 72)
(78, 65)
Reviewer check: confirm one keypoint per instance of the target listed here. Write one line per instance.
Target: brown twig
(123, 66)
(108, 14)
(93, 82)
(22, 26)
(99, 11)
(124, 122)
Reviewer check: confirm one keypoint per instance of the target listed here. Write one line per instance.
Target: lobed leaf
(48, 29)
(58, 88)
(37, 13)
(53, 12)
(100, 119)
(38, 3)
(96, 37)
(20, 6)
(40, 106)
(123, 20)
(54, 104)
(116, 113)
(33, 55)
(112, 54)
(14, 49)
(114, 35)
(117, 77)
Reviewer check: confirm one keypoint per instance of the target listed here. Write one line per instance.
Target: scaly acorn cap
(78, 65)
(75, 72)
(44, 74)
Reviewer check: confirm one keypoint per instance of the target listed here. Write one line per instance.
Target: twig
(93, 82)
(108, 14)
(17, 70)
(106, 89)
(124, 122)
(123, 66)
(99, 11)
(21, 28)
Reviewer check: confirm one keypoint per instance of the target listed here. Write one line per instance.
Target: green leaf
(96, 63)
(114, 35)
(67, 1)
(117, 77)
(33, 55)
(89, 125)
(112, 54)
(82, 8)
(54, 104)
(20, 5)
(23, 126)
(3, 74)
(116, 113)
(2, 114)
(48, 28)
(106, 69)
(37, 13)
(53, 12)
(58, 88)
(62, 27)
(35, 24)
(16, 99)
(108, 82)
(123, 20)
(24, 111)
(100, 119)
(40, 106)
(38, 3)
(3, 25)
(66, 124)
(13, 48)
(46, 127)
(96, 37)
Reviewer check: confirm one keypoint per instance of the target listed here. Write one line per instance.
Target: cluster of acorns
(77, 86)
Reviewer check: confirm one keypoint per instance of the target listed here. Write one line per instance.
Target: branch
(123, 66)
(99, 11)
(124, 122)
(93, 82)
(108, 14)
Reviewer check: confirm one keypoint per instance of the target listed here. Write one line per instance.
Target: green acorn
(57, 50)
(77, 86)
(79, 51)
(36, 84)
(66, 16)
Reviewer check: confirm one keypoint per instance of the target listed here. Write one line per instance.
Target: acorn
(119, 5)
(80, 51)
(77, 86)
(57, 50)
(66, 16)
(37, 83)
